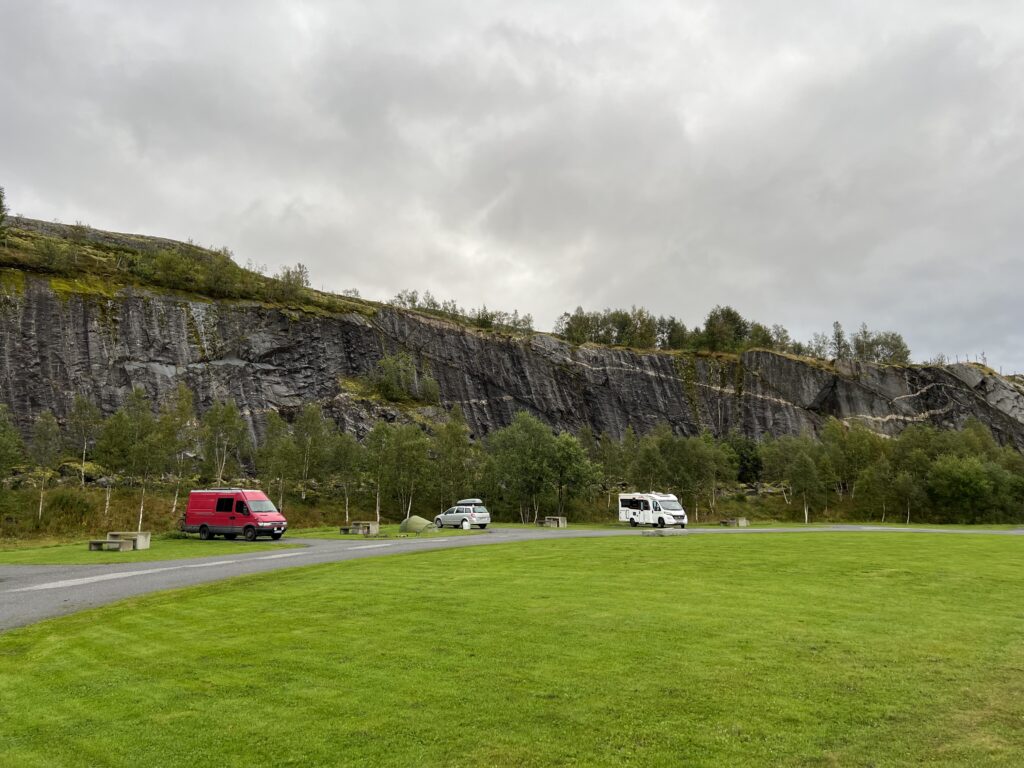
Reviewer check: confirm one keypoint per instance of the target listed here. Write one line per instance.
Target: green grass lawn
(161, 548)
(795, 650)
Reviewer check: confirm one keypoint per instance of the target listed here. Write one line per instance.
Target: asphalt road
(30, 593)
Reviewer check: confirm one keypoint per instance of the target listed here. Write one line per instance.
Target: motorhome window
(644, 505)
(225, 503)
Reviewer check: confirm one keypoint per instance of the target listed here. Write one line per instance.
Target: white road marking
(129, 574)
(370, 546)
(208, 565)
(92, 579)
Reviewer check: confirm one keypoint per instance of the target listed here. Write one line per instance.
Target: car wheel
(276, 536)
(632, 522)
(230, 536)
(682, 525)
(250, 533)
(465, 525)
(438, 523)
(204, 533)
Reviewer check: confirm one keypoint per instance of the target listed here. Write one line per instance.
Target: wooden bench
(114, 545)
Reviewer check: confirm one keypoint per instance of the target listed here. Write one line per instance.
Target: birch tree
(178, 432)
(84, 424)
(311, 433)
(277, 455)
(225, 439)
(45, 452)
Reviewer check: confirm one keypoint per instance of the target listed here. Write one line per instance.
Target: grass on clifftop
(809, 650)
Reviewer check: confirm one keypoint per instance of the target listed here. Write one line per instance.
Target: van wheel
(632, 522)
(250, 533)
(682, 525)
(661, 522)
(465, 525)
(230, 536)
(482, 526)
(276, 536)
(204, 533)
(438, 523)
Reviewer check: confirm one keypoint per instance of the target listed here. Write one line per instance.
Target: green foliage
(278, 455)
(84, 422)
(11, 447)
(313, 437)
(454, 460)
(3, 217)
(396, 378)
(725, 330)
(485, 318)
(225, 440)
(522, 462)
(178, 429)
(44, 449)
(291, 283)
(130, 442)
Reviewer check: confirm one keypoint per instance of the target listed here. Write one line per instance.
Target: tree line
(725, 330)
(480, 317)
(523, 470)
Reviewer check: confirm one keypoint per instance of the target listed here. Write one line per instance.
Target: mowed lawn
(161, 548)
(816, 649)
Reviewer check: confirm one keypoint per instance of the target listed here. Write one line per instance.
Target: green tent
(415, 524)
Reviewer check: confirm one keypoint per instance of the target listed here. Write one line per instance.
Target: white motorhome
(660, 509)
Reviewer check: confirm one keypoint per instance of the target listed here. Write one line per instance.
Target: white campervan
(652, 508)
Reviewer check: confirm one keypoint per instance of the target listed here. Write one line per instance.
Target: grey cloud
(804, 162)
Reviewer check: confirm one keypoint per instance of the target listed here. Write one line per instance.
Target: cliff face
(57, 341)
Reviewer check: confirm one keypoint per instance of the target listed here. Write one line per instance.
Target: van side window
(644, 505)
(224, 504)
(240, 508)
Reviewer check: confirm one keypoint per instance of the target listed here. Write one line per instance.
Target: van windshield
(262, 506)
(671, 506)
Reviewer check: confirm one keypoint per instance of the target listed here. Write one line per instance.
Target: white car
(465, 514)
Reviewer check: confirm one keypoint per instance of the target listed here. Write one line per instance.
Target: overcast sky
(802, 161)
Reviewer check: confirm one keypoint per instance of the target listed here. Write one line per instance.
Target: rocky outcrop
(57, 341)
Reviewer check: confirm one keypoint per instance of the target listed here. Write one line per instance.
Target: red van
(232, 511)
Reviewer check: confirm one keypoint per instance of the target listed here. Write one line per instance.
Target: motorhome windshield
(671, 506)
(262, 506)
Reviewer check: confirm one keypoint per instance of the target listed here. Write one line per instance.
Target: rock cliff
(58, 339)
